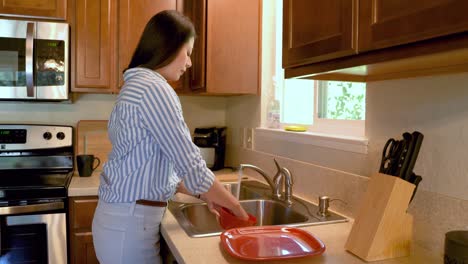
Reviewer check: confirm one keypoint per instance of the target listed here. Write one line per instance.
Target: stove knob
(60, 135)
(47, 135)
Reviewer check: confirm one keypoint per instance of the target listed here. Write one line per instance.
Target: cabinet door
(194, 79)
(317, 30)
(55, 9)
(83, 249)
(385, 23)
(81, 213)
(133, 16)
(233, 54)
(94, 45)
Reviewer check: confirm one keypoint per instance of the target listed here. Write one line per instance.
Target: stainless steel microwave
(34, 62)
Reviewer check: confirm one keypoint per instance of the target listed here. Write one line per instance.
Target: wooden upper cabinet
(106, 33)
(133, 16)
(384, 23)
(225, 58)
(317, 30)
(132, 20)
(94, 43)
(52, 9)
(233, 40)
(395, 39)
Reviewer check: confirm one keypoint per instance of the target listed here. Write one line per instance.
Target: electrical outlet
(248, 138)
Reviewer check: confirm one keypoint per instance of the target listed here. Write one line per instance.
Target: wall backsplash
(198, 111)
(87, 106)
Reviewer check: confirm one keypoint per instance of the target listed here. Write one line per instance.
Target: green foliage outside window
(348, 104)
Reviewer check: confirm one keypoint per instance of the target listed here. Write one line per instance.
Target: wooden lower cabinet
(84, 248)
(81, 213)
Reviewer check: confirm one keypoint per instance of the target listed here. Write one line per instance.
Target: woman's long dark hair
(164, 35)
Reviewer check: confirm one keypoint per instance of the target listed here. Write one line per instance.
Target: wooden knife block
(382, 228)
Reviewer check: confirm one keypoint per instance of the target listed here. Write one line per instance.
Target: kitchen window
(332, 112)
(328, 107)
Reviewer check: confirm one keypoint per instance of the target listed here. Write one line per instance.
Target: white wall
(202, 111)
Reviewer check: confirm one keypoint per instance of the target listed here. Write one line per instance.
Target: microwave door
(16, 60)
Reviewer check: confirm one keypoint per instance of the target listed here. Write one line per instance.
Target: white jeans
(127, 233)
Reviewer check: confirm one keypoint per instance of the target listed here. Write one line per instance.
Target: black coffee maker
(212, 144)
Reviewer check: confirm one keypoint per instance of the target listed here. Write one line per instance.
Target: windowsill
(345, 143)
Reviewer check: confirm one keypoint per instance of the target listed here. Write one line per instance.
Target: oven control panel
(12, 136)
(29, 137)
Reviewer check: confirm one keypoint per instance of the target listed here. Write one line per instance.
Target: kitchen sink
(255, 198)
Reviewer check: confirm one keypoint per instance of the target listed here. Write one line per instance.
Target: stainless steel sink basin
(198, 221)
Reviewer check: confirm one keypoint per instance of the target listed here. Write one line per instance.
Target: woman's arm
(182, 189)
(161, 114)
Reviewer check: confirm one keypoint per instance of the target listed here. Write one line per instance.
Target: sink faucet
(282, 178)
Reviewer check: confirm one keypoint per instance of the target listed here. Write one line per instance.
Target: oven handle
(33, 208)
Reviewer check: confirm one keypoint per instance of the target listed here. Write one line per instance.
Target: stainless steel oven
(33, 60)
(36, 166)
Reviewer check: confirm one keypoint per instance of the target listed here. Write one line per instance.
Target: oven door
(33, 233)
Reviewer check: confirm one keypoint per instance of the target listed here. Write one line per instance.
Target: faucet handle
(288, 175)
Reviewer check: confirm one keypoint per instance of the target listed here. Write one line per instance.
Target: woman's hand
(217, 194)
(240, 212)
(210, 204)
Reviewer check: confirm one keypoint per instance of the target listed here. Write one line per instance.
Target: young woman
(152, 155)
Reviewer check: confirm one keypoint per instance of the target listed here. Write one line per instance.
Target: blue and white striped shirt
(152, 150)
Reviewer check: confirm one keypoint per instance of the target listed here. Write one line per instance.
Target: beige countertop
(84, 186)
(209, 250)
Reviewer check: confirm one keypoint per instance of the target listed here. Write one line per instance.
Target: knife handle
(415, 179)
(417, 138)
(403, 159)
